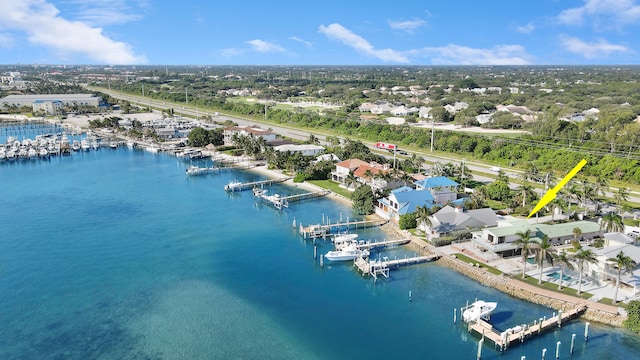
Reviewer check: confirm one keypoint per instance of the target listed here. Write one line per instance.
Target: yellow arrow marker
(551, 194)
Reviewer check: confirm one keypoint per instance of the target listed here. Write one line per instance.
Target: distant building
(85, 100)
(48, 107)
(254, 131)
(303, 149)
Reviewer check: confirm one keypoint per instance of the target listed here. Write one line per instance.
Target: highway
(481, 172)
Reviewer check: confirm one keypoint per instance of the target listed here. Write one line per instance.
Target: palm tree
(612, 223)
(622, 195)
(422, 217)
(576, 232)
(622, 263)
(564, 260)
(582, 256)
(524, 242)
(351, 180)
(544, 252)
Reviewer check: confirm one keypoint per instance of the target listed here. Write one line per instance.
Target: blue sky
(328, 32)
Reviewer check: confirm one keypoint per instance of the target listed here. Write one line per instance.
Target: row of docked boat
(44, 146)
(346, 248)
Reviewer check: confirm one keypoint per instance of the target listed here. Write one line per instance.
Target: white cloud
(230, 53)
(41, 22)
(526, 29)
(107, 12)
(463, 55)
(601, 48)
(407, 25)
(264, 46)
(602, 13)
(295, 38)
(347, 37)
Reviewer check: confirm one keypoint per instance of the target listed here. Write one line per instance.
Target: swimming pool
(556, 275)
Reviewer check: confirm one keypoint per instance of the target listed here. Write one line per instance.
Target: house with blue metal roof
(405, 200)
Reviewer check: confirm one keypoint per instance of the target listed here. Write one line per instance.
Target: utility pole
(433, 122)
(186, 96)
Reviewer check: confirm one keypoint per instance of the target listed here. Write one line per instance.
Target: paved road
(298, 134)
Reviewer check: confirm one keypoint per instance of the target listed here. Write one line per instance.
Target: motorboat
(75, 145)
(259, 192)
(197, 170)
(85, 145)
(233, 185)
(344, 238)
(478, 310)
(349, 252)
(113, 144)
(131, 144)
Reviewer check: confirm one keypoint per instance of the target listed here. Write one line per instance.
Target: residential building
(364, 172)
(303, 149)
(450, 219)
(501, 239)
(254, 131)
(442, 188)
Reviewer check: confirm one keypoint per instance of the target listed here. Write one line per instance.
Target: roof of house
(449, 219)
(352, 164)
(619, 238)
(362, 170)
(408, 201)
(432, 182)
(612, 251)
(537, 230)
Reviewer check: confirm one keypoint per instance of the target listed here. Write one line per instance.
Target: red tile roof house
(364, 172)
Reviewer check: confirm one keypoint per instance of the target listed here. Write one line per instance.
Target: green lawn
(468, 260)
(333, 186)
(553, 287)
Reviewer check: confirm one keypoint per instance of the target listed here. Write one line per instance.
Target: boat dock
(382, 267)
(283, 201)
(503, 340)
(382, 244)
(323, 230)
(250, 185)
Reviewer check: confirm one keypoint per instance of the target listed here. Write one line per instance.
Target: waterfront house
(501, 239)
(605, 270)
(442, 188)
(302, 149)
(369, 173)
(450, 219)
(254, 131)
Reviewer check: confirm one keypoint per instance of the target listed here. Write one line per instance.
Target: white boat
(113, 144)
(75, 145)
(233, 185)
(343, 239)
(197, 170)
(85, 145)
(478, 310)
(131, 144)
(349, 252)
(259, 192)
(152, 149)
(43, 152)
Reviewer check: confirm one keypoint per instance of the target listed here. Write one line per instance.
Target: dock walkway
(382, 267)
(503, 340)
(231, 187)
(323, 230)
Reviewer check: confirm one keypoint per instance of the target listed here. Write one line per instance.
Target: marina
(150, 280)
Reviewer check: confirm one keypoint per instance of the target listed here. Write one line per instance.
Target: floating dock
(503, 340)
(283, 201)
(323, 230)
(381, 268)
(238, 186)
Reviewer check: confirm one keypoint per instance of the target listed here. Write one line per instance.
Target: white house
(450, 219)
(254, 131)
(303, 149)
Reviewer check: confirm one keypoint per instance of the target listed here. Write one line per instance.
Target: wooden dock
(382, 267)
(232, 187)
(323, 230)
(382, 244)
(283, 201)
(503, 340)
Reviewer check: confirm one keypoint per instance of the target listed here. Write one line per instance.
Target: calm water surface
(117, 254)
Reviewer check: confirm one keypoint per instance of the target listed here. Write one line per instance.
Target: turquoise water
(556, 275)
(117, 254)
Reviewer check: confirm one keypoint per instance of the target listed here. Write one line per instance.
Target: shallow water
(117, 254)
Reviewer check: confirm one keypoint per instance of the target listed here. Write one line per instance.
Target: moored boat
(478, 310)
(233, 185)
(349, 252)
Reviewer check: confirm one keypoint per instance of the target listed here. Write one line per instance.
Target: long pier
(382, 268)
(382, 244)
(503, 340)
(283, 201)
(322, 230)
(232, 187)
